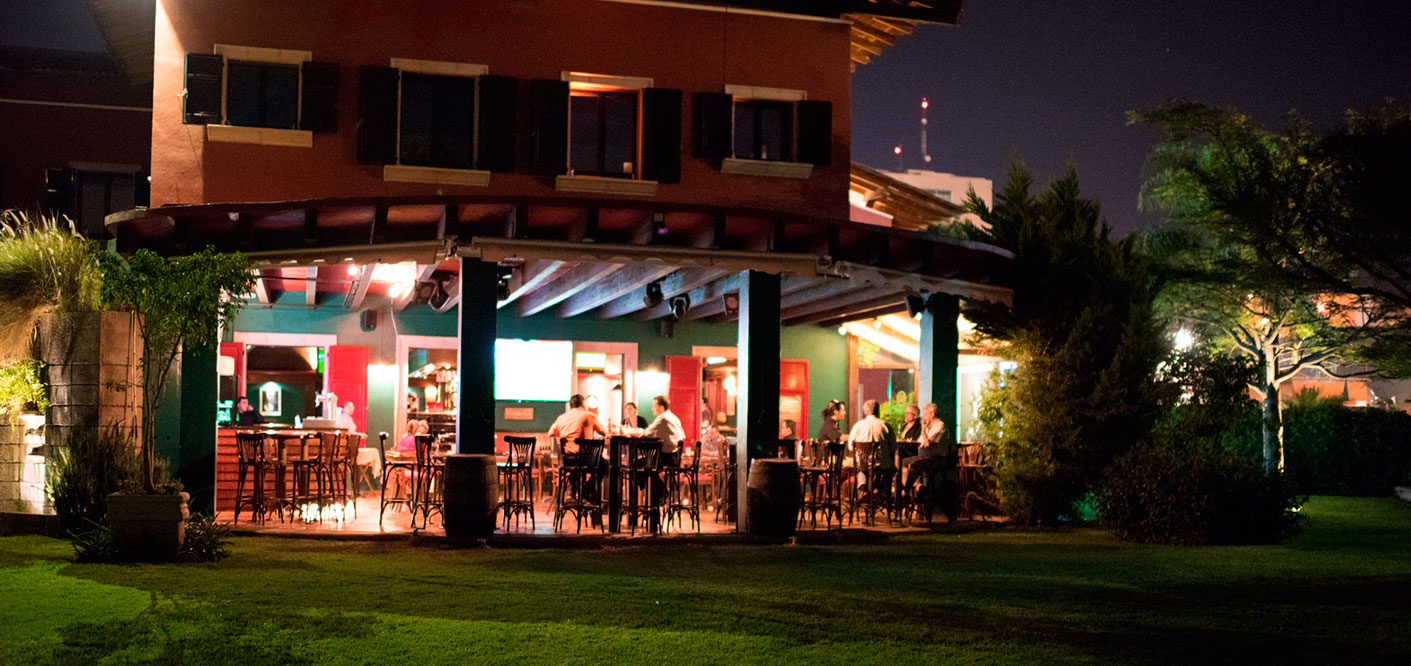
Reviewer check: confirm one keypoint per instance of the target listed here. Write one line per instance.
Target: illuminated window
(763, 130)
(603, 133)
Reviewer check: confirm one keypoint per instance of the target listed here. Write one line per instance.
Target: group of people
(246, 415)
(579, 422)
(921, 429)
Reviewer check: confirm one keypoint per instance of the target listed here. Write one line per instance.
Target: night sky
(1051, 80)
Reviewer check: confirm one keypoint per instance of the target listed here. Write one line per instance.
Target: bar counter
(228, 462)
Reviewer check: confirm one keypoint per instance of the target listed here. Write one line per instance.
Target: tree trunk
(1273, 429)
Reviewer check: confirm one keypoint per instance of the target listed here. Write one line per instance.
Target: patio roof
(569, 257)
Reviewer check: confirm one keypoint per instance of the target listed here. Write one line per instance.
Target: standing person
(833, 414)
(576, 423)
(632, 419)
(665, 427)
(872, 429)
(345, 417)
(707, 415)
(245, 414)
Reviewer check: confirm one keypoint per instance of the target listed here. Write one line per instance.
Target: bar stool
(725, 489)
(426, 481)
(342, 453)
(254, 465)
(642, 482)
(823, 484)
(874, 491)
(517, 481)
(307, 470)
(683, 490)
(401, 469)
(574, 492)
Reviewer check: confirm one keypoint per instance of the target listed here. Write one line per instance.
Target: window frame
(403, 171)
(256, 55)
(602, 131)
(788, 136)
(589, 82)
(264, 69)
(473, 136)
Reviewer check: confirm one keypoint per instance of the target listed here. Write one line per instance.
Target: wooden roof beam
(854, 308)
(311, 287)
(357, 291)
(564, 287)
(532, 275)
(613, 287)
(680, 282)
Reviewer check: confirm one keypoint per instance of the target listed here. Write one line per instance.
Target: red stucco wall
(687, 49)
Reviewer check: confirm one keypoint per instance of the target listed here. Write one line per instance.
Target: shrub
(44, 265)
(205, 539)
(85, 471)
(1196, 493)
(1330, 449)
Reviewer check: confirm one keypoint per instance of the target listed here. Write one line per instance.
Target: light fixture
(877, 324)
(659, 223)
(715, 360)
(396, 290)
(432, 392)
(355, 270)
(1183, 340)
(732, 303)
(654, 296)
(915, 305)
(842, 330)
(679, 306)
(225, 366)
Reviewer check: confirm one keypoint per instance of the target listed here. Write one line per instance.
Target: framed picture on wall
(270, 399)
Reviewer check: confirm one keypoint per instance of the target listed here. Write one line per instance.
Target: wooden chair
(398, 470)
(517, 481)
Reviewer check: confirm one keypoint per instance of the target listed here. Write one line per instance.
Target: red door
(684, 392)
(347, 378)
(793, 393)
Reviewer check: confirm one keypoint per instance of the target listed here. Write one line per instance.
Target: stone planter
(149, 527)
(84, 352)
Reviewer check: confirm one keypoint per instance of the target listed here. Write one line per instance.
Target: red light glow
(924, 103)
(897, 150)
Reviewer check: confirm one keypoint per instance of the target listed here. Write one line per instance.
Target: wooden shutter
(715, 125)
(661, 135)
(548, 122)
(200, 101)
(684, 392)
(377, 114)
(347, 378)
(499, 124)
(793, 386)
(815, 137)
(318, 107)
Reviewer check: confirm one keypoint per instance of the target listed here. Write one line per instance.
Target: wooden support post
(475, 376)
(758, 405)
(940, 358)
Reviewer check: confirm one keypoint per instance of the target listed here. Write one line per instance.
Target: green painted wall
(825, 350)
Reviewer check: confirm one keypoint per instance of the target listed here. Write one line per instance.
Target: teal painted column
(940, 358)
(475, 377)
(757, 408)
(195, 462)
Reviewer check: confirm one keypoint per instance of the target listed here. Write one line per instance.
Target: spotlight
(915, 305)
(679, 306)
(732, 303)
(396, 289)
(502, 285)
(438, 296)
(659, 224)
(654, 295)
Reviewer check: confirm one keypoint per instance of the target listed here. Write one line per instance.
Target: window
(763, 130)
(262, 95)
(437, 118)
(88, 193)
(603, 133)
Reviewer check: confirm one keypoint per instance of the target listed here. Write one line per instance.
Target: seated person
(246, 414)
(345, 417)
(872, 429)
(576, 423)
(665, 427)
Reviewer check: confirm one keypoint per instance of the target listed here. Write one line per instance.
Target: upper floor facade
(682, 103)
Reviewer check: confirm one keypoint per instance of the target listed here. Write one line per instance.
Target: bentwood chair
(683, 489)
(725, 489)
(874, 484)
(517, 481)
(343, 454)
(397, 470)
(823, 484)
(307, 469)
(254, 465)
(642, 484)
(575, 490)
(426, 481)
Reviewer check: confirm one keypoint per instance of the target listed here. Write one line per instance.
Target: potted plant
(177, 302)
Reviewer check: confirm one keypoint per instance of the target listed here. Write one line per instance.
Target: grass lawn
(1340, 593)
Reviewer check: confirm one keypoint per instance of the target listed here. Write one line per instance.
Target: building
(465, 212)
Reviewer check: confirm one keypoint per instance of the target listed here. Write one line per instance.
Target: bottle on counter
(298, 422)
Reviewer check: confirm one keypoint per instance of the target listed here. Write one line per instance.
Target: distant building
(948, 186)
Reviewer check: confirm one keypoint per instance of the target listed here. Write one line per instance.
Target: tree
(179, 302)
(1228, 187)
(1082, 331)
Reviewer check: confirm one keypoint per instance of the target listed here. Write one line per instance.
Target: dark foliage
(206, 539)
(85, 472)
(1337, 450)
(1082, 330)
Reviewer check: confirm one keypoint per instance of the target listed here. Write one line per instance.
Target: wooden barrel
(471, 495)
(772, 498)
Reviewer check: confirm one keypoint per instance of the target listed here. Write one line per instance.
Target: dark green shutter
(318, 111)
(377, 115)
(548, 122)
(200, 101)
(661, 135)
(715, 125)
(499, 124)
(815, 137)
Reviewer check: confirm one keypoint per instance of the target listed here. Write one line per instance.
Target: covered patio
(663, 292)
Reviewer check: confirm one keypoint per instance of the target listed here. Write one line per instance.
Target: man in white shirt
(872, 429)
(665, 427)
(345, 417)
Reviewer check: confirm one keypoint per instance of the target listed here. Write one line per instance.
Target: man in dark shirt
(245, 414)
